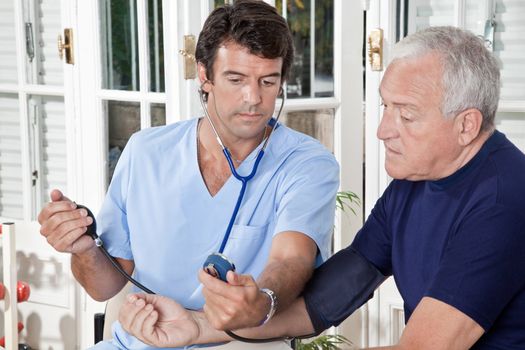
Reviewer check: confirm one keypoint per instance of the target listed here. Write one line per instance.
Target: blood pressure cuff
(339, 287)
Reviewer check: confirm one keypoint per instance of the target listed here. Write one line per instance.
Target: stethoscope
(217, 264)
(212, 265)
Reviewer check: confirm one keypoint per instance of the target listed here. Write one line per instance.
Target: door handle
(66, 46)
(375, 49)
(188, 54)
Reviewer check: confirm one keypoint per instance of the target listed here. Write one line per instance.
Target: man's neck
(239, 148)
(469, 152)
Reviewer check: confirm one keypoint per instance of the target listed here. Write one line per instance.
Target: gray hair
(471, 77)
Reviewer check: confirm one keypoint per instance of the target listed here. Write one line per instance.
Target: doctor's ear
(203, 77)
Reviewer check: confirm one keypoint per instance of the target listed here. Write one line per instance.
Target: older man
(450, 227)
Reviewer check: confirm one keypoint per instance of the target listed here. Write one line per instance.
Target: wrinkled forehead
(415, 77)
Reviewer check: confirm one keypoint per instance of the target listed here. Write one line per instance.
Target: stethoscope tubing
(243, 179)
(244, 182)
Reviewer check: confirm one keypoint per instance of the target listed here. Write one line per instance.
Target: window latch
(488, 35)
(34, 177)
(30, 43)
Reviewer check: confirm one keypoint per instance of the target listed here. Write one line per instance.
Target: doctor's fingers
(65, 237)
(65, 221)
(226, 309)
(209, 282)
(51, 208)
(215, 285)
(65, 243)
(236, 279)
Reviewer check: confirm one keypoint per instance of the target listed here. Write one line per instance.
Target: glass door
(38, 152)
(132, 91)
(35, 97)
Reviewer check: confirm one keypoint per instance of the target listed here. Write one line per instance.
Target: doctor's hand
(158, 321)
(233, 305)
(63, 225)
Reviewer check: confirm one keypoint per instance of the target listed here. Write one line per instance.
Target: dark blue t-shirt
(460, 240)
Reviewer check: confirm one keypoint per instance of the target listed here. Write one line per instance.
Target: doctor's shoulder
(158, 137)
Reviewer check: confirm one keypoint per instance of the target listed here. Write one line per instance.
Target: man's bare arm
(435, 325)
(240, 303)
(97, 275)
(162, 322)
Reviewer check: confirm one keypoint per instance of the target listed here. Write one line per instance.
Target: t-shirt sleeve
(112, 221)
(483, 266)
(306, 202)
(374, 240)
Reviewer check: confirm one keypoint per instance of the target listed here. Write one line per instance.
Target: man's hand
(63, 225)
(236, 304)
(158, 321)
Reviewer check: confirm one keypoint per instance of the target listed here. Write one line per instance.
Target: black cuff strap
(339, 287)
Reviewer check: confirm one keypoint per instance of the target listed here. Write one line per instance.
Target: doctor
(173, 193)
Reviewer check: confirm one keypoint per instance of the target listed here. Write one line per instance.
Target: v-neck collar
(243, 168)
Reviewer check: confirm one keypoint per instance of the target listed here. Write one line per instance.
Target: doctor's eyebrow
(232, 72)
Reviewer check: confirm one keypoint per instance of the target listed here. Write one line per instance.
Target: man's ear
(201, 71)
(469, 125)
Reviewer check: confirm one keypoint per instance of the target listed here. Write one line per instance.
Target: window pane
(44, 26)
(218, 3)
(324, 48)
(123, 120)
(509, 48)
(319, 124)
(513, 126)
(430, 13)
(119, 44)
(474, 20)
(8, 72)
(50, 150)
(158, 114)
(11, 190)
(299, 17)
(156, 43)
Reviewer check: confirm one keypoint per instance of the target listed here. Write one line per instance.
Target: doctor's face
(420, 142)
(242, 97)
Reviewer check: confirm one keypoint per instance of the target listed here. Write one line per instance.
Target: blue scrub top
(159, 213)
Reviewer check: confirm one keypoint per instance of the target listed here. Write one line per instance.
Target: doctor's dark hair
(252, 24)
(471, 76)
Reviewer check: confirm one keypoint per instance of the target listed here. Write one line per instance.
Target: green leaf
(323, 342)
(347, 200)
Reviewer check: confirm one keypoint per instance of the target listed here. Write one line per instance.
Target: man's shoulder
(287, 141)
(506, 166)
(163, 135)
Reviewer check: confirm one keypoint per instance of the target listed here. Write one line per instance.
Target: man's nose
(252, 94)
(387, 127)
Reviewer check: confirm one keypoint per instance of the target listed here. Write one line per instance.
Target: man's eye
(234, 80)
(268, 83)
(383, 104)
(405, 119)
